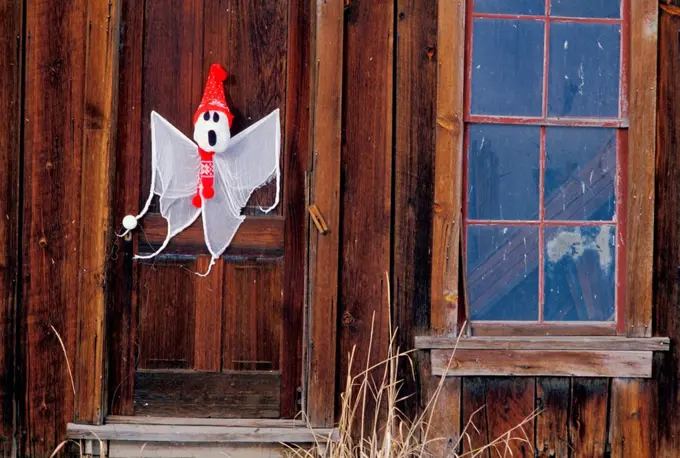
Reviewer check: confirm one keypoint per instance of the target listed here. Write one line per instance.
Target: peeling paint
(573, 243)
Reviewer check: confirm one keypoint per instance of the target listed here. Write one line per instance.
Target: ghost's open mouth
(212, 137)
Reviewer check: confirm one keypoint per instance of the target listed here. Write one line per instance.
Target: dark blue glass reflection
(580, 173)
(579, 273)
(587, 8)
(502, 272)
(584, 66)
(535, 7)
(503, 172)
(507, 67)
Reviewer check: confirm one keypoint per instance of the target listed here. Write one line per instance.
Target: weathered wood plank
(588, 417)
(641, 159)
(613, 343)
(541, 329)
(448, 172)
(99, 131)
(510, 401)
(252, 316)
(297, 155)
(207, 394)
(475, 435)
(544, 362)
(125, 449)
(208, 297)
(122, 313)
(327, 46)
(53, 142)
(667, 231)
(632, 418)
(367, 174)
(11, 63)
(194, 434)
(257, 236)
(416, 93)
(166, 321)
(552, 399)
(230, 422)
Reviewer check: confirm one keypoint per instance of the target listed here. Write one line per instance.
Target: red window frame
(621, 185)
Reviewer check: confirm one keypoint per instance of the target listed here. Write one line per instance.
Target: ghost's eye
(216, 117)
(206, 116)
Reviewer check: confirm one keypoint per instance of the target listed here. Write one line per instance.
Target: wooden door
(228, 345)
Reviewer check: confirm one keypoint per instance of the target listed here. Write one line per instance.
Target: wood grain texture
(297, 140)
(588, 417)
(126, 449)
(207, 343)
(667, 231)
(252, 316)
(11, 63)
(327, 55)
(552, 399)
(257, 236)
(122, 311)
(641, 154)
(475, 434)
(632, 418)
(207, 394)
(230, 422)
(562, 363)
(509, 402)
(613, 343)
(415, 103)
(367, 178)
(541, 329)
(448, 172)
(96, 235)
(53, 143)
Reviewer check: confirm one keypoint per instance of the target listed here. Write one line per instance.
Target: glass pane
(503, 174)
(580, 173)
(588, 8)
(502, 272)
(510, 6)
(507, 67)
(579, 273)
(584, 69)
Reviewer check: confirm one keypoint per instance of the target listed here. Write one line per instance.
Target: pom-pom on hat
(213, 95)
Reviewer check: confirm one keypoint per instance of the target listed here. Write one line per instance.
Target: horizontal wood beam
(188, 393)
(559, 363)
(600, 343)
(192, 421)
(182, 434)
(257, 235)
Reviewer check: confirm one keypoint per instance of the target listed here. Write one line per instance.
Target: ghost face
(211, 131)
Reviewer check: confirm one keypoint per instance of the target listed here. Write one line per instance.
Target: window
(544, 188)
(544, 154)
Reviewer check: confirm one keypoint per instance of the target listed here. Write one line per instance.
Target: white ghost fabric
(250, 161)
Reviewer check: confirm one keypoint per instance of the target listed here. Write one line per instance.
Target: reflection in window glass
(580, 173)
(535, 7)
(503, 172)
(587, 8)
(579, 273)
(584, 70)
(502, 272)
(507, 67)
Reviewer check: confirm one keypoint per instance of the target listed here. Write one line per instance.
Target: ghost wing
(251, 161)
(175, 165)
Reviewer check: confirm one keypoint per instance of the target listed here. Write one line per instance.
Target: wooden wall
(57, 60)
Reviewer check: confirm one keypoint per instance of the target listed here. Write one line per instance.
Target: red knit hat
(213, 95)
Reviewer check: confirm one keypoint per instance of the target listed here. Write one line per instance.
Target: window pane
(502, 272)
(580, 173)
(579, 273)
(510, 6)
(588, 8)
(503, 172)
(584, 69)
(507, 67)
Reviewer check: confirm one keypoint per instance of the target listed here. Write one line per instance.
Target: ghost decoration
(215, 174)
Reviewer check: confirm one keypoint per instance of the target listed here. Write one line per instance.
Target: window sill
(603, 356)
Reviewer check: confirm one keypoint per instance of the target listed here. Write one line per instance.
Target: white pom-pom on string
(129, 222)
